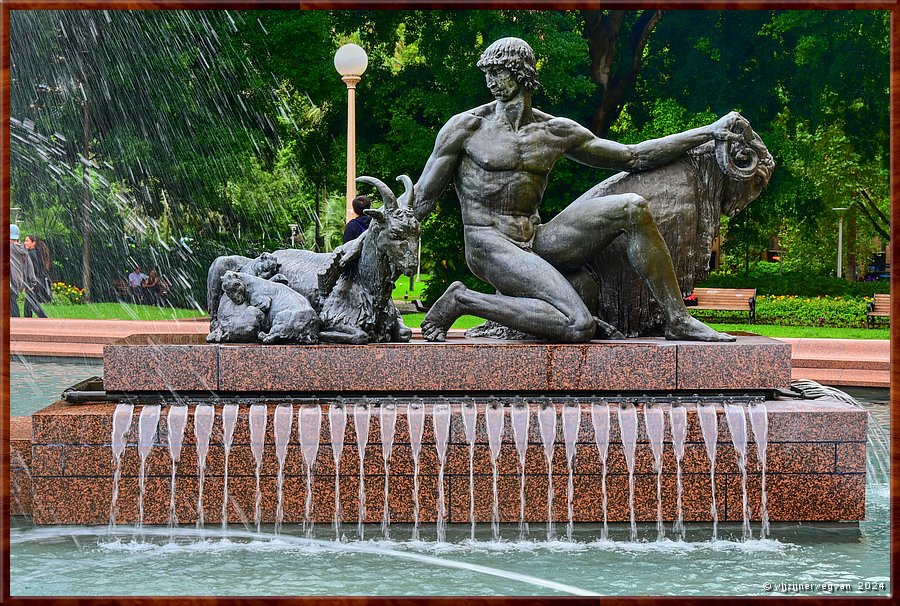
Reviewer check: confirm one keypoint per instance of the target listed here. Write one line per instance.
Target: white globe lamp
(351, 62)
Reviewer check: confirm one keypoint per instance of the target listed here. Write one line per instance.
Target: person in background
(21, 273)
(39, 254)
(136, 280)
(360, 223)
(151, 288)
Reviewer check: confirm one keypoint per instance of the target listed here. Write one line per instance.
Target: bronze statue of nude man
(499, 156)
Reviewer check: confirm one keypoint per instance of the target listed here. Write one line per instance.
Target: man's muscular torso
(503, 173)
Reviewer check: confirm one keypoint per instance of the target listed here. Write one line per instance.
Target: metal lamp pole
(840, 255)
(351, 61)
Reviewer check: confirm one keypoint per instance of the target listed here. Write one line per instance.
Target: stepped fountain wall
(816, 453)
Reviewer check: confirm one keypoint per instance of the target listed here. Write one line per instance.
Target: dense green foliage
(167, 138)
(770, 279)
(791, 310)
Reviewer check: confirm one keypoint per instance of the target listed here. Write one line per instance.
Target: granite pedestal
(816, 454)
(184, 363)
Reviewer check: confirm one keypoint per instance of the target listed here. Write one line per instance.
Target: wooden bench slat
(879, 307)
(726, 299)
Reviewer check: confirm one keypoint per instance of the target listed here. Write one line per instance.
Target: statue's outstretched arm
(442, 164)
(653, 153)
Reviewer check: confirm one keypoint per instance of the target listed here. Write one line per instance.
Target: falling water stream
(571, 419)
(441, 419)
(309, 425)
(600, 421)
(415, 417)
(284, 419)
(493, 417)
(759, 421)
(470, 416)
(337, 420)
(309, 419)
(258, 419)
(628, 421)
(547, 423)
(736, 418)
(388, 423)
(519, 415)
(678, 421)
(120, 425)
(203, 422)
(176, 419)
(361, 416)
(229, 420)
(709, 425)
(655, 421)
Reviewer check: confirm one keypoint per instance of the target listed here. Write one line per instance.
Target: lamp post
(841, 212)
(351, 61)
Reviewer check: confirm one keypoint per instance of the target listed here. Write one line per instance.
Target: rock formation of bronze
(499, 156)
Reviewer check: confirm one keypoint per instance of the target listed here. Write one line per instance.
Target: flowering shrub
(66, 294)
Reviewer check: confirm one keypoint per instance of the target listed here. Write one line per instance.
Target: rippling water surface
(832, 560)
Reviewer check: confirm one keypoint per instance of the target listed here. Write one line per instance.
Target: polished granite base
(815, 456)
(185, 363)
(815, 468)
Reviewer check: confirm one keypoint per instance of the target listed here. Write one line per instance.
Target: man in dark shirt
(360, 223)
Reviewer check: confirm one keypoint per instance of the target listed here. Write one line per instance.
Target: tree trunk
(320, 241)
(86, 206)
(602, 32)
(851, 274)
(875, 217)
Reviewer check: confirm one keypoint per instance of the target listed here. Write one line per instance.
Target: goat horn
(409, 190)
(390, 200)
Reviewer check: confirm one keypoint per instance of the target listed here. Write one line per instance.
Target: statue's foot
(402, 333)
(689, 328)
(443, 313)
(607, 331)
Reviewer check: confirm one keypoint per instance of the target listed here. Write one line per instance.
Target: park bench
(727, 299)
(880, 307)
(120, 289)
(123, 292)
(163, 292)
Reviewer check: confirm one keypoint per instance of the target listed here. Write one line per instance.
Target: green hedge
(791, 310)
(767, 279)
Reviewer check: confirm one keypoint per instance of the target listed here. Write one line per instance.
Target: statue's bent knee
(581, 329)
(636, 206)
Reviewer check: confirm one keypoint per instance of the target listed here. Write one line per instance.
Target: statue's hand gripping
(725, 131)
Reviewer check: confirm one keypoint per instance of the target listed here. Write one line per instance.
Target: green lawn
(415, 321)
(805, 332)
(130, 311)
(785, 332)
(402, 291)
(118, 311)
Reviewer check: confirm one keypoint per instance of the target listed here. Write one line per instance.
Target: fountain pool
(36, 381)
(79, 560)
(88, 561)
